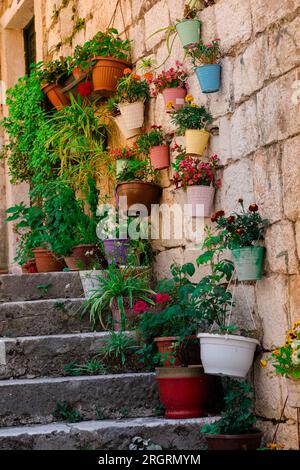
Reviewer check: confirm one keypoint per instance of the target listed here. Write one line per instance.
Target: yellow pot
(196, 141)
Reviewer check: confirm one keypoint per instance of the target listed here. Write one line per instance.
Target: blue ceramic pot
(209, 77)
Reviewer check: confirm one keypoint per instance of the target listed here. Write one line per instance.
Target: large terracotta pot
(138, 192)
(56, 96)
(251, 441)
(160, 157)
(46, 262)
(188, 353)
(184, 391)
(106, 74)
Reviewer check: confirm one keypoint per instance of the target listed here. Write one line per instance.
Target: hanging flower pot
(160, 157)
(184, 391)
(139, 192)
(248, 262)
(293, 387)
(56, 96)
(209, 77)
(106, 74)
(227, 354)
(188, 31)
(188, 353)
(46, 262)
(196, 141)
(133, 114)
(201, 196)
(251, 441)
(128, 134)
(116, 250)
(174, 98)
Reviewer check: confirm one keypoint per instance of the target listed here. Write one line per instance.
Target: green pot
(248, 262)
(188, 31)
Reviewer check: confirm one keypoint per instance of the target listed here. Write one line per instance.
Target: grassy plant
(66, 412)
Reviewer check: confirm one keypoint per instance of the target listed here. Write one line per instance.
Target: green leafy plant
(152, 138)
(191, 116)
(109, 44)
(66, 412)
(132, 87)
(238, 417)
(52, 72)
(138, 170)
(202, 53)
(90, 368)
(240, 229)
(117, 347)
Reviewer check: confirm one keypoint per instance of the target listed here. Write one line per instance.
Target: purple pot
(116, 251)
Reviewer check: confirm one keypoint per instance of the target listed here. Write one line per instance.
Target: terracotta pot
(46, 262)
(29, 267)
(188, 353)
(78, 73)
(184, 391)
(175, 96)
(138, 192)
(133, 114)
(251, 441)
(201, 196)
(84, 256)
(160, 157)
(106, 74)
(56, 96)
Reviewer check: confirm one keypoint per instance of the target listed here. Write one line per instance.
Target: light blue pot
(209, 77)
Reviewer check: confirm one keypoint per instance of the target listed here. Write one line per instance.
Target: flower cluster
(124, 153)
(192, 172)
(241, 229)
(85, 89)
(191, 116)
(132, 87)
(172, 78)
(141, 306)
(202, 53)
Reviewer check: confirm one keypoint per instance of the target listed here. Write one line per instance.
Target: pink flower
(162, 298)
(140, 306)
(178, 64)
(218, 183)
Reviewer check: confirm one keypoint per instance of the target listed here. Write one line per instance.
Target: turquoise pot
(188, 31)
(209, 77)
(248, 262)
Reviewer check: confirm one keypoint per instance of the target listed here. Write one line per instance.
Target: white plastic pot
(133, 114)
(227, 354)
(128, 134)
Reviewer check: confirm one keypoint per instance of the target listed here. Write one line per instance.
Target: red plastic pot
(184, 391)
(160, 157)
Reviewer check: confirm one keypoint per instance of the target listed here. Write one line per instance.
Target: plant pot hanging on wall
(209, 77)
(201, 196)
(139, 192)
(174, 98)
(160, 157)
(188, 31)
(196, 141)
(106, 73)
(128, 134)
(248, 262)
(133, 114)
(56, 96)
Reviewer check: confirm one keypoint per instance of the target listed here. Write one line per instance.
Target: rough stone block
(286, 435)
(233, 22)
(156, 18)
(176, 8)
(297, 230)
(244, 130)
(137, 35)
(221, 102)
(291, 178)
(164, 260)
(278, 108)
(209, 25)
(225, 151)
(281, 248)
(66, 21)
(249, 69)
(268, 398)
(265, 13)
(272, 306)
(267, 182)
(294, 293)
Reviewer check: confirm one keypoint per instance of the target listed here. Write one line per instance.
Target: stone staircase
(41, 331)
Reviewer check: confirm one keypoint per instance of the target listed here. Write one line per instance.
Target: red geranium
(193, 172)
(162, 298)
(140, 306)
(85, 89)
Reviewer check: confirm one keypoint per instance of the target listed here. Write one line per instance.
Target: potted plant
(133, 91)
(192, 120)
(80, 62)
(154, 143)
(286, 361)
(123, 157)
(209, 72)
(109, 54)
(236, 428)
(113, 303)
(51, 75)
(171, 84)
(242, 233)
(114, 112)
(136, 183)
(114, 233)
(226, 350)
(199, 180)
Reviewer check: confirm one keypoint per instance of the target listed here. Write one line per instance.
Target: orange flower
(148, 76)
(127, 71)
(136, 76)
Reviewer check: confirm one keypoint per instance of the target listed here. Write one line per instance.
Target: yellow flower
(297, 323)
(189, 98)
(263, 363)
(194, 105)
(170, 105)
(273, 446)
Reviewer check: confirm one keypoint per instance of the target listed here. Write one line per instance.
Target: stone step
(40, 356)
(43, 285)
(181, 434)
(42, 317)
(33, 401)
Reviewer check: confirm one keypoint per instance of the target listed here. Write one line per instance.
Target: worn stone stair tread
(182, 434)
(38, 356)
(33, 401)
(42, 317)
(25, 287)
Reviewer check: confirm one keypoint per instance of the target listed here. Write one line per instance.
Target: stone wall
(256, 134)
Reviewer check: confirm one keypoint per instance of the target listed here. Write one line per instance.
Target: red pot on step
(160, 157)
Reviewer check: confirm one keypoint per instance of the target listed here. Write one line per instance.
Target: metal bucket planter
(174, 96)
(160, 157)
(248, 262)
(209, 77)
(196, 141)
(188, 31)
(201, 196)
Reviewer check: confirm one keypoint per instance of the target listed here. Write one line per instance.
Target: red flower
(140, 306)
(85, 89)
(217, 215)
(231, 219)
(253, 208)
(162, 298)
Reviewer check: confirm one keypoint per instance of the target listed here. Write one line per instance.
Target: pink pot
(160, 157)
(175, 96)
(201, 196)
